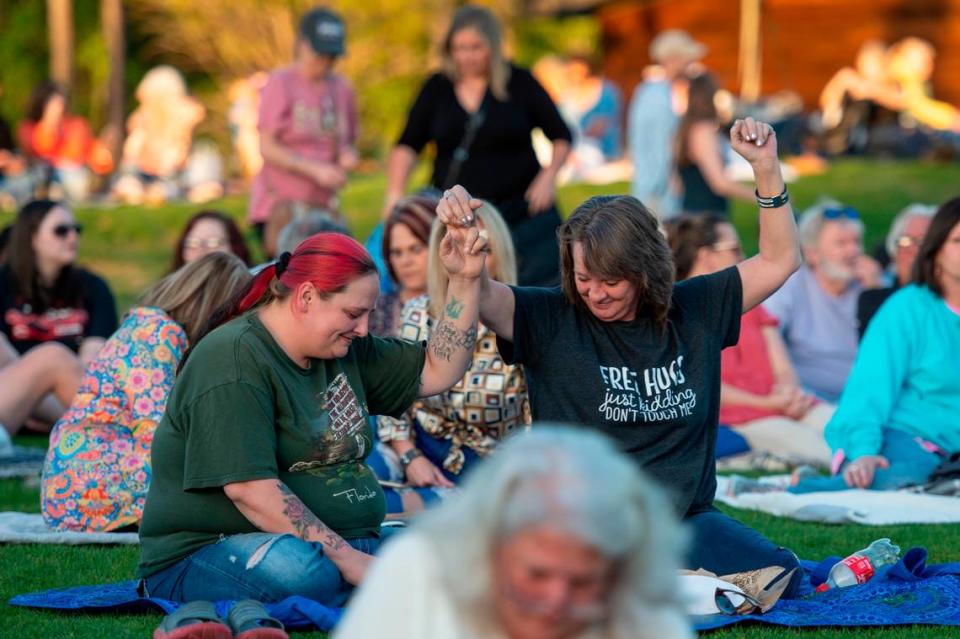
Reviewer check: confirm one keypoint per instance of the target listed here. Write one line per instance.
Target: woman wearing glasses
(207, 232)
(759, 392)
(54, 316)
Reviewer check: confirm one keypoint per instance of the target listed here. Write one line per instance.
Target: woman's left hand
(541, 193)
(463, 250)
(755, 141)
(860, 472)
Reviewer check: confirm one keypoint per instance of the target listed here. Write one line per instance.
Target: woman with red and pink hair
(260, 489)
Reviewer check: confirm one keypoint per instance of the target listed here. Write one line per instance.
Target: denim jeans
(724, 546)
(262, 566)
(910, 463)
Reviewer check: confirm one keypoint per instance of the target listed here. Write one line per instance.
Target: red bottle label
(861, 568)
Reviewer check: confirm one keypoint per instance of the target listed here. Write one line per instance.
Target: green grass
(132, 246)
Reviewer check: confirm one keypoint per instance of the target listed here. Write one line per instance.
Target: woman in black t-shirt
(51, 312)
(43, 296)
(480, 111)
(623, 349)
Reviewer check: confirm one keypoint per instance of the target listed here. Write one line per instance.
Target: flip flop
(193, 620)
(249, 619)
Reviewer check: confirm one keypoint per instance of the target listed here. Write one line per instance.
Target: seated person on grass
(259, 489)
(902, 243)
(441, 438)
(900, 412)
(759, 393)
(624, 350)
(817, 306)
(97, 470)
(54, 316)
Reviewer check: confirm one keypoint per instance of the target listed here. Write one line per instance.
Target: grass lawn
(131, 247)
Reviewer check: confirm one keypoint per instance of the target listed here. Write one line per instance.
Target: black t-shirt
(501, 163)
(93, 314)
(6, 140)
(869, 303)
(656, 392)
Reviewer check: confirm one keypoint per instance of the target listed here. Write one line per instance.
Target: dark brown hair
(700, 108)
(688, 234)
(237, 246)
(39, 97)
(620, 240)
(22, 260)
(943, 223)
(417, 214)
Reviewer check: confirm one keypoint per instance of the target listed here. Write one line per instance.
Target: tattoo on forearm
(304, 520)
(453, 308)
(447, 338)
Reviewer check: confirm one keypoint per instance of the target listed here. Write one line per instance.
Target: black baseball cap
(324, 30)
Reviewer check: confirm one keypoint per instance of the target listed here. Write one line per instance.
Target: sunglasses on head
(846, 212)
(63, 230)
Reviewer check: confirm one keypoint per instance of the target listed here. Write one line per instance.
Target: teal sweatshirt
(906, 377)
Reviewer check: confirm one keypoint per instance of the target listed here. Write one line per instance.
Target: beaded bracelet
(772, 202)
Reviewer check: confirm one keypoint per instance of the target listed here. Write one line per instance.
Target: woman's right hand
(352, 563)
(422, 473)
(328, 176)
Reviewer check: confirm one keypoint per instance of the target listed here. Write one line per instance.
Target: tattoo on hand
(453, 308)
(447, 338)
(304, 521)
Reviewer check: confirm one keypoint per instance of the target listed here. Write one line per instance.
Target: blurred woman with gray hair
(557, 535)
(903, 241)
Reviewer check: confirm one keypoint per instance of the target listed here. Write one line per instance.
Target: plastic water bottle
(859, 567)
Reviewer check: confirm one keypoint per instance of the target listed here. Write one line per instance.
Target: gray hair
(573, 480)
(900, 223)
(812, 221)
(304, 225)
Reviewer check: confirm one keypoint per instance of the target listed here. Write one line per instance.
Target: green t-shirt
(242, 410)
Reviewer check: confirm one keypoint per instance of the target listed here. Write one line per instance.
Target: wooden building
(801, 42)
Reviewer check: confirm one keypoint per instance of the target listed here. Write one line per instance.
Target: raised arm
(453, 338)
(779, 253)
(497, 302)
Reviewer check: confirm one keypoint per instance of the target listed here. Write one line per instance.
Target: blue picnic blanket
(910, 592)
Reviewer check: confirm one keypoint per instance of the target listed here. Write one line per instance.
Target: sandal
(249, 619)
(193, 620)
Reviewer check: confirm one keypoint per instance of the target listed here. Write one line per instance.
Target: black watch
(409, 456)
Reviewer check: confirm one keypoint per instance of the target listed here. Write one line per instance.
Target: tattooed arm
(272, 507)
(463, 252)
(452, 339)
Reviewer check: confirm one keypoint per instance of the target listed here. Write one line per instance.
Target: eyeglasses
(847, 212)
(723, 598)
(63, 230)
(728, 245)
(908, 241)
(211, 243)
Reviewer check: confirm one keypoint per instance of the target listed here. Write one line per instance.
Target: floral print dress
(97, 471)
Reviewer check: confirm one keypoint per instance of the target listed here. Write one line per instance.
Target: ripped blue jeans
(262, 566)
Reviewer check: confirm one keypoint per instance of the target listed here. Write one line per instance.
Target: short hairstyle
(812, 221)
(237, 244)
(481, 19)
(925, 270)
(192, 293)
(900, 223)
(501, 247)
(621, 240)
(574, 481)
(417, 213)
(688, 234)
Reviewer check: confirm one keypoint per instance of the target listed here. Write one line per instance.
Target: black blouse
(501, 162)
